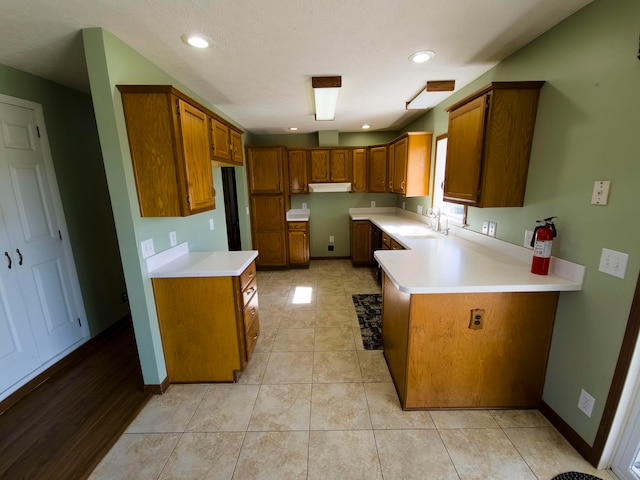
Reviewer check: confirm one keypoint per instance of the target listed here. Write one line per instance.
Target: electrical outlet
(373, 204)
(330, 248)
(304, 206)
(332, 239)
(600, 195)
(420, 209)
(147, 248)
(125, 297)
(173, 241)
(485, 227)
(492, 229)
(585, 403)
(403, 205)
(477, 319)
(211, 227)
(528, 235)
(613, 263)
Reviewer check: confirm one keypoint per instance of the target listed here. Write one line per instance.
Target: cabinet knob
(253, 312)
(255, 336)
(251, 290)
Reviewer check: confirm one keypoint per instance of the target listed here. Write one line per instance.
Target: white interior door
(28, 196)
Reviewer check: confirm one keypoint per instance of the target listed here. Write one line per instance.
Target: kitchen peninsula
(465, 324)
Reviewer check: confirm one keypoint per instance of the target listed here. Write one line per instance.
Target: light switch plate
(211, 224)
(600, 195)
(492, 229)
(528, 235)
(613, 263)
(304, 206)
(419, 209)
(173, 241)
(147, 248)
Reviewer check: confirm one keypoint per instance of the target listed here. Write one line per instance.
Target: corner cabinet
(169, 143)
(490, 136)
(209, 325)
(410, 164)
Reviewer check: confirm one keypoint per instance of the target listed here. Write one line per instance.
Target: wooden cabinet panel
(265, 170)
(268, 212)
(298, 171)
(490, 136)
(377, 169)
(220, 141)
(361, 243)
(410, 164)
(251, 318)
(320, 167)
(298, 244)
(359, 175)
(339, 165)
(437, 361)
(169, 144)
(236, 147)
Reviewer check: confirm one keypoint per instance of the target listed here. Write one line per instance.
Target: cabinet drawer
(395, 245)
(251, 337)
(386, 240)
(248, 275)
(297, 225)
(248, 292)
(251, 313)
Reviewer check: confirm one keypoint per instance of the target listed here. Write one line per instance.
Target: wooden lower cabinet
(361, 243)
(209, 325)
(437, 361)
(299, 244)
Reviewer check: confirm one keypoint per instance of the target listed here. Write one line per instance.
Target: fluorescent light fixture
(193, 40)
(421, 57)
(423, 100)
(325, 91)
(293, 129)
(366, 126)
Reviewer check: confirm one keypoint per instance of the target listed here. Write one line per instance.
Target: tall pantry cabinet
(269, 201)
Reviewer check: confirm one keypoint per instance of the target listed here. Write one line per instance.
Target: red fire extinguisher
(541, 243)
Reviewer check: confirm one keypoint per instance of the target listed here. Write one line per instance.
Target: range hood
(329, 187)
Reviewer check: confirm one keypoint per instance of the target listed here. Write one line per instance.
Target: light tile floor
(313, 404)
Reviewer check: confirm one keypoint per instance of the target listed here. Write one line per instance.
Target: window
(456, 214)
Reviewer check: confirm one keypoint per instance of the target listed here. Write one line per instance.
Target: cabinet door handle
(19, 255)
(255, 336)
(253, 312)
(402, 186)
(6, 254)
(251, 290)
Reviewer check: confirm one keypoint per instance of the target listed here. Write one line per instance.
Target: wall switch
(600, 195)
(373, 204)
(304, 206)
(485, 227)
(613, 263)
(492, 229)
(211, 224)
(173, 241)
(247, 210)
(585, 403)
(419, 209)
(147, 248)
(331, 239)
(403, 204)
(528, 235)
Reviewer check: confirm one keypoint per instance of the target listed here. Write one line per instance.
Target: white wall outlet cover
(331, 239)
(173, 241)
(600, 195)
(528, 235)
(304, 206)
(613, 263)
(493, 226)
(247, 210)
(373, 204)
(419, 209)
(211, 224)
(485, 227)
(147, 248)
(585, 403)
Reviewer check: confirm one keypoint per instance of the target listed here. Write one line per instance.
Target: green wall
(77, 160)
(111, 62)
(586, 130)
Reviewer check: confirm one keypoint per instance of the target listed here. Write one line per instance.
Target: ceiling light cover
(197, 41)
(366, 126)
(421, 57)
(325, 91)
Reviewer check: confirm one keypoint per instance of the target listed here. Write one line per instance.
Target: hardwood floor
(63, 428)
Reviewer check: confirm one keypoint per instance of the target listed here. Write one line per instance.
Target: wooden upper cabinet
(330, 165)
(226, 143)
(265, 169)
(410, 164)
(359, 176)
(298, 171)
(320, 166)
(377, 169)
(490, 136)
(169, 143)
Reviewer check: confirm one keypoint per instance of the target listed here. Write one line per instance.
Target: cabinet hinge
(38, 131)
(79, 323)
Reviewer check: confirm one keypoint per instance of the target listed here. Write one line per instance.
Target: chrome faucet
(435, 220)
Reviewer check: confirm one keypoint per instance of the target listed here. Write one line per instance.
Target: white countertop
(462, 261)
(298, 215)
(179, 262)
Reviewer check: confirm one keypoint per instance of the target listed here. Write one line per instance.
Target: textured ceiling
(258, 69)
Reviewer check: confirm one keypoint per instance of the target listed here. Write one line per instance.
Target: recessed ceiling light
(293, 129)
(366, 126)
(197, 41)
(421, 57)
